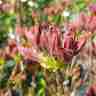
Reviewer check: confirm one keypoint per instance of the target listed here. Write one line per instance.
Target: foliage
(6, 71)
(48, 35)
(41, 85)
(7, 23)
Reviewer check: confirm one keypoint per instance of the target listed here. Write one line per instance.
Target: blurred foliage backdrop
(15, 75)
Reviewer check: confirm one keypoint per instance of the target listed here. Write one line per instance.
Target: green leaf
(17, 57)
(41, 85)
(43, 3)
(44, 18)
(2, 61)
(6, 72)
(57, 19)
(51, 63)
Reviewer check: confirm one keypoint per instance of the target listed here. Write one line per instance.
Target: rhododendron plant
(52, 42)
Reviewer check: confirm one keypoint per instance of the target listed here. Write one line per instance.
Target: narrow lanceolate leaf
(57, 19)
(82, 40)
(50, 63)
(41, 85)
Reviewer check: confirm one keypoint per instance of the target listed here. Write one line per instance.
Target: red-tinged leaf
(53, 40)
(13, 52)
(92, 23)
(36, 29)
(33, 35)
(12, 43)
(43, 43)
(27, 53)
(94, 45)
(29, 35)
(82, 19)
(52, 44)
(81, 42)
(59, 53)
(64, 54)
(68, 54)
(72, 27)
(91, 91)
(94, 87)
(68, 42)
(37, 33)
(12, 48)
(19, 31)
(43, 40)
